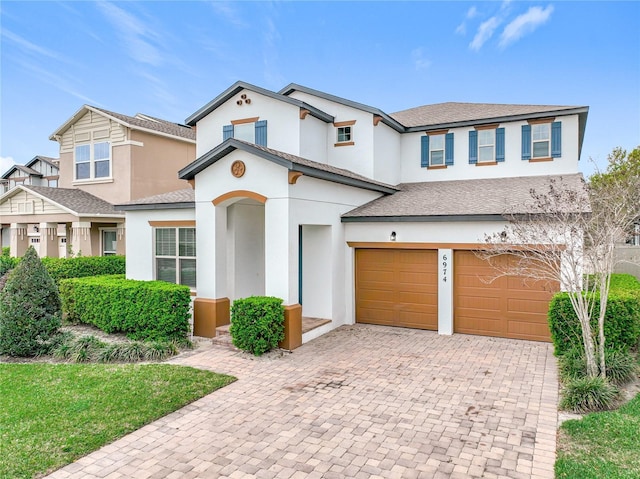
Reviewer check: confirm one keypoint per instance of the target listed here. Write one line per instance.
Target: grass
(603, 444)
(53, 414)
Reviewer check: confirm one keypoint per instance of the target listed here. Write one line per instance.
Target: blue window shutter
(227, 132)
(499, 144)
(261, 133)
(448, 149)
(556, 139)
(473, 147)
(526, 142)
(424, 153)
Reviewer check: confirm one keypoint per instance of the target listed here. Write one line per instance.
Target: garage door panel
(402, 291)
(510, 306)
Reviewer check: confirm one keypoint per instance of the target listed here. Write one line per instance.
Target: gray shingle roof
(76, 200)
(152, 123)
(185, 197)
(482, 197)
(453, 112)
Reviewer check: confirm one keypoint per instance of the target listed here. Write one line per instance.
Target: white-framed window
(175, 255)
(245, 131)
(541, 140)
(109, 242)
(93, 160)
(52, 183)
(436, 150)
(486, 145)
(343, 134)
(34, 240)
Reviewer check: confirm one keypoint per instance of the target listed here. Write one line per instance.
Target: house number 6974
(445, 267)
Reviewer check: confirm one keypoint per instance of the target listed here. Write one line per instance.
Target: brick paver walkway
(360, 402)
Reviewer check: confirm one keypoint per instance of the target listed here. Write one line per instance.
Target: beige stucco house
(105, 158)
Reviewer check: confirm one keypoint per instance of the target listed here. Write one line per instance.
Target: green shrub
(621, 366)
(6, 251)
(589, 394)
(257, 323)
(83, 266)
(7, 263)
(624, 282)
(621, 325)
(143, 310)
(29, 309)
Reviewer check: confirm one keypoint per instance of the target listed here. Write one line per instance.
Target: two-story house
(105, 158)
(350, 214)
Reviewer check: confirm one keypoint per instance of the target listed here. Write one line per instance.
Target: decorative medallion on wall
(238, 168)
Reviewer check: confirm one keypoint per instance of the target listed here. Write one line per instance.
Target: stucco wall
(313, 139)
(283, 122)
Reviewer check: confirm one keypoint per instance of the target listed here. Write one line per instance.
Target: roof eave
(156, 206)
(67, 124)
(499, 119)
(421, 218)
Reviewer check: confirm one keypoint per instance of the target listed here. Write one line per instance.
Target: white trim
(102, 230)
(130, 142)
(92, 181)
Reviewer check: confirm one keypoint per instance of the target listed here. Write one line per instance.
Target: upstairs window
(249, 130)
(344, 133)
(541, 140)
(436, 150)
(486, 145)
(93, 161)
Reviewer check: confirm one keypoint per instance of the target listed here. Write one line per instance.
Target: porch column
(120, 239)
(211, 306)
(19, 239)
(49, 240)
(281, 267)
(80, 238)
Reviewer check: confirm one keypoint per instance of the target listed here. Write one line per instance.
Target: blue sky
(167, 59)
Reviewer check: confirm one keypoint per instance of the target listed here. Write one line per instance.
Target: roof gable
(238, 86)
(140, 122)
(291, 162)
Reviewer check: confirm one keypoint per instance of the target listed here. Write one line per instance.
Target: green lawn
(53, 414)
(601, 445)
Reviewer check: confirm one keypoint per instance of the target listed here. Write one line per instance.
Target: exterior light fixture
(392, 237)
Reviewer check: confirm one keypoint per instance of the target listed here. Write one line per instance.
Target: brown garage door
(509, 307)
(397, 288)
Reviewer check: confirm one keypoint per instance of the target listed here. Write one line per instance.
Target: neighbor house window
(175, 255)
(541, 137)
(344, 134)
(250, 130)
(486, 145)
(109, 242)
(436, 150)
(93, 160)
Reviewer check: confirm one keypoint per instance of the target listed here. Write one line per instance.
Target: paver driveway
(362, 401)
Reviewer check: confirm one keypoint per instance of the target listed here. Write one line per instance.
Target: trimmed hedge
(622, 320)
(143, 310)
(7, 263)
(257, 323)
(83, 266)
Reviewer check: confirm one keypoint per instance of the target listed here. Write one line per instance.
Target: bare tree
(560, 234)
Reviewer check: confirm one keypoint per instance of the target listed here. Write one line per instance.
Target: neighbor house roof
(73, 200)
(292, 162)
(23, 168)
(45, 159)
(139, 122)
(461, 200)
(238, 86)
(179, 199)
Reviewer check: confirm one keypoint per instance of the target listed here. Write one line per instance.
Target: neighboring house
(105, 158)
(353, 215)
(39, 171)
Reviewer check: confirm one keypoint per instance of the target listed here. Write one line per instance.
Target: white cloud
(471, 13)
(525, 24)
(231, 14)
(485, 32)
(138, 38)
(6, 162)
(31, 47)
(419, 61)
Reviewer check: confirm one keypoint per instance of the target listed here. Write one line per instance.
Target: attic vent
(82, 137)
(100, 134)
(25, 207)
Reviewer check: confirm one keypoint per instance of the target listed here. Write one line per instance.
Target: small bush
(83, 266)
(257, 324)
(621, 326)
(589, 394)
(29, 309)
(624, 282)
(7, 263)
(621, 366)
(6, 251)
(143, 310)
